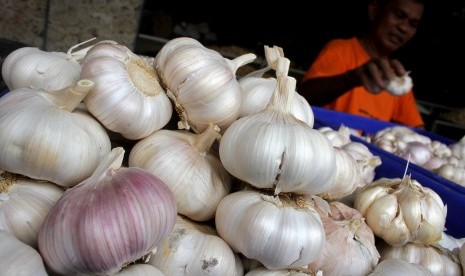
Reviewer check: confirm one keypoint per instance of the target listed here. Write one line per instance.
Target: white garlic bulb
(257, 91)
(24, 204)
(127, 97)
(43, 137)
(272, 149)
(397, 267)
(400, 85)
(262, 271)
(279, 231)
(350, 244)
(201, 82)
(339, 137)
(18, 258)
(195, 249)
(184, 162)
(366, 159)
(438, 261)
(140, 270)
(402, 210)
(31, 67)
(112, 218)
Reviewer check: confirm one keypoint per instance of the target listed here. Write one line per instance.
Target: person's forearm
(323, 90)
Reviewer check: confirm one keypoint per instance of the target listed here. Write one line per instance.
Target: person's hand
(376, 74)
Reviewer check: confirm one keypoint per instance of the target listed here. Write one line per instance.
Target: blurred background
(434, 57)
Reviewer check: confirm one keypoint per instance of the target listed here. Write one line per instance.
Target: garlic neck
(283, 96)
(204, 140)
(241, 60)
(69, 97)
(143, 76)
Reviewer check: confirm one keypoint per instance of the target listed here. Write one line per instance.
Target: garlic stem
(283, 96)
(204, 140)
(282, 67)
(112, 161)
(69, 97)
(240, 61)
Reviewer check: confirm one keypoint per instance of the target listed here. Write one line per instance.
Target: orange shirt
(342, 55)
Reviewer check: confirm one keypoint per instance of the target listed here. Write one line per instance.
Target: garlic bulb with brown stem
(273, 149)
(127, 97)
(30, 67)
(18, 258)
(194, 249)
(402, 210)
(201, 82)
(24, 204)
(43, 137)
(350, 244)
(184, 162)
(109, 220)
(281, 231)
(438, 261)
(257, 91)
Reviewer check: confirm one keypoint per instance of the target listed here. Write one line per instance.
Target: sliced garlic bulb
(127, 97)
(112, 218)
(24, 204)
(272, 149)
(400, 85)
(195, 249)
(18, 258)
(30, 67)
(201, 82)
(43, 137)
(402, 210)
(438, 261)
(184, 162)
(278, 231)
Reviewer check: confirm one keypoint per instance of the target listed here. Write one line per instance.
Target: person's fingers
(373, 72)
(398, 68)
(387, 72)
(368, 83)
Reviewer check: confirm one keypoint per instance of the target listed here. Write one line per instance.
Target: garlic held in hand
(402, 210)
(272, 149)
(183, 161)
(194, 249)
(113, 218)
(43, 136)
(201, 82)
(400, 85)
(33, 68)
(281, 231)
(24, 204)
(127, 97)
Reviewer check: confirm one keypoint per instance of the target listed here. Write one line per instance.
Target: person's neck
(370, 47)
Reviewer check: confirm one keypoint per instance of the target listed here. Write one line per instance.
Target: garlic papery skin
(272, 149)
(397, 267)
(400, 85)
(365, 158)
(43, 137)
(184, 162)
(350, 244)
(24, 204)
(127, 97)
(348, 176)
(30, 67)
(201, 82)
(438, 261)
(109, 220)
(402, 210)
(18, 258)
(281, 231)
(262, 271)
(257, 91)
(195, 249)
(338, 138)
(140, 270)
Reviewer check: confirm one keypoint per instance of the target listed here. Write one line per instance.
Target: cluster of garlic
(243, 186)
(447, 161)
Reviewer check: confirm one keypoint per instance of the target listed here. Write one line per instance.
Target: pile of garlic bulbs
(447, 161)
(241, 184)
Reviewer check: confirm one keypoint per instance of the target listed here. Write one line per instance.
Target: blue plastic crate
(452, 194)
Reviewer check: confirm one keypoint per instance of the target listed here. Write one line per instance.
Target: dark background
(435, 56)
